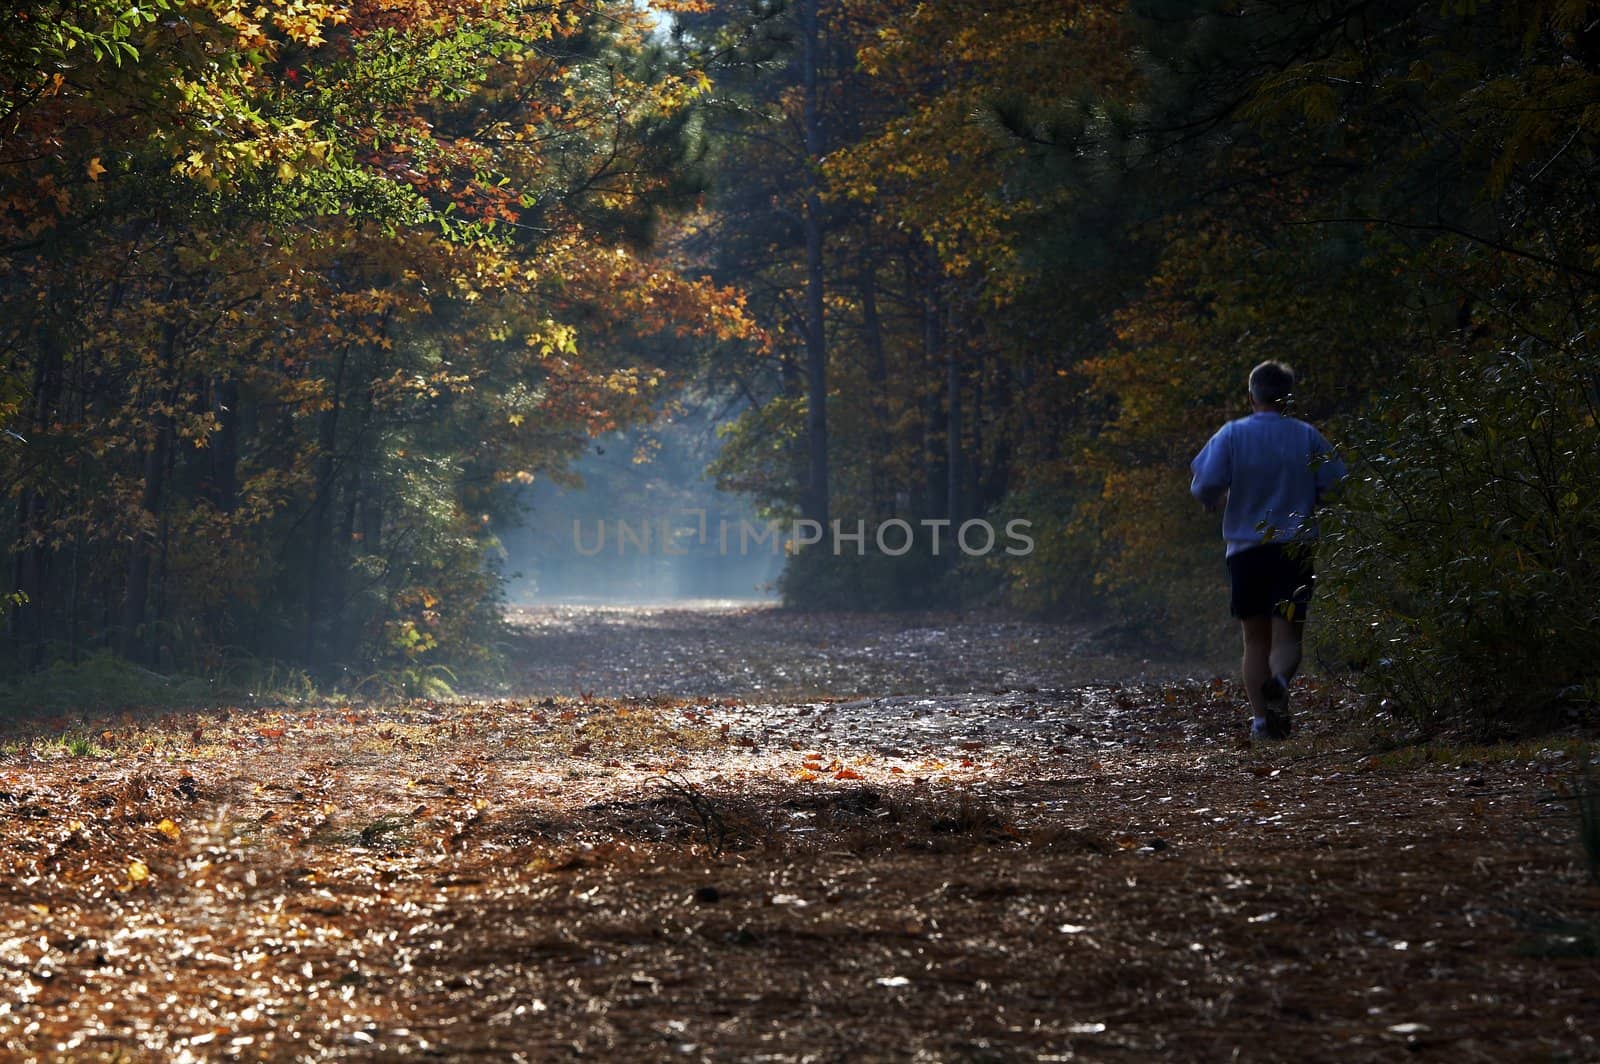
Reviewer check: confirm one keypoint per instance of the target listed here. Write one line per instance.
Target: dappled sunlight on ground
(743, 650)
(1062, 869)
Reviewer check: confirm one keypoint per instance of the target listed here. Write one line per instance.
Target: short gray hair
(1271, 382)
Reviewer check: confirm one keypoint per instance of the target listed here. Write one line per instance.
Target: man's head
(1271, 384)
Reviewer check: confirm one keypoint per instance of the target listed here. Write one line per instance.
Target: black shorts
(1274, 579)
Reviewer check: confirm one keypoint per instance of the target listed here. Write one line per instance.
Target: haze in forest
(600, 540)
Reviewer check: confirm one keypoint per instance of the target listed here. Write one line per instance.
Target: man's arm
(1212, 471)
(1326, 466)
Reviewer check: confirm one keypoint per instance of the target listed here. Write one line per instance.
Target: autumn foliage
(1061, 234)
(293, 290)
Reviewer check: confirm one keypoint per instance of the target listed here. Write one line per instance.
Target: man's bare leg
(1284, 659)
(1256, 666)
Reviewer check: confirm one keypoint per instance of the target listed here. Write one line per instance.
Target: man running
(1269, 471)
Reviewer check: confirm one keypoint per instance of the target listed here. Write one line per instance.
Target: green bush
(1461, 570)
(815, 578)
(101, 681)
(1145, 564)
(1058, 575)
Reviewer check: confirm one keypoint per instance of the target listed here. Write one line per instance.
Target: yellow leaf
(170, 830)
(95, 169)
(138, 871)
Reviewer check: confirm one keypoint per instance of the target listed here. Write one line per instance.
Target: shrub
(815, 578)
(1462, 568)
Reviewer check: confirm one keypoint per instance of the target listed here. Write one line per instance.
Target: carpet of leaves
(1096, 872)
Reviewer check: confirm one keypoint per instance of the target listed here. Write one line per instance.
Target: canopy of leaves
(293, 288)
(1064, 233)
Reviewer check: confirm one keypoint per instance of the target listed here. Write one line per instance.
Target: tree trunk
(997, 471)
(816, 506)
(942, 424)
(224, 447)
(322, 513)
(136, 603)
(32, 564)
(976, 468)
(878, 376)
(355, 489)
(955, 472)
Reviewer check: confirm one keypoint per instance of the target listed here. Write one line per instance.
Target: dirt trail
(761, 652)
(738, 835)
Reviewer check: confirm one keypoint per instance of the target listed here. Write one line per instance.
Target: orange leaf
(847, 774)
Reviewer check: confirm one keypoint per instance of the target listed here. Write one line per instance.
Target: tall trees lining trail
(295, 291)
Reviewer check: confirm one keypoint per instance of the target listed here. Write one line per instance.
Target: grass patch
(80, 746)
(1449, 755)
(105, 681)
(73, 744)
(386, 832)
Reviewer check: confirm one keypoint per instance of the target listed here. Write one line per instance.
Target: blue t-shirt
(1275, 469)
